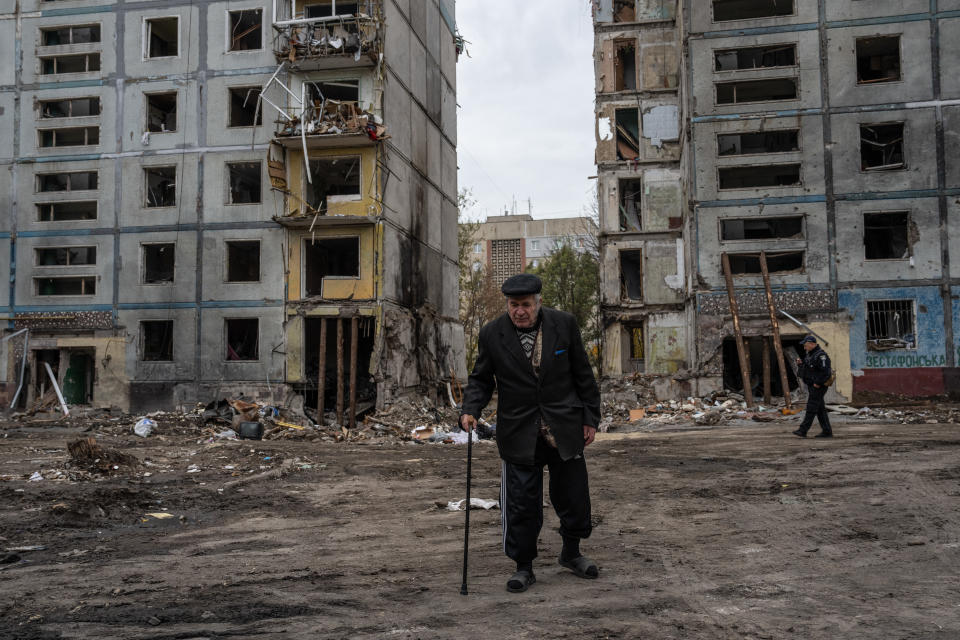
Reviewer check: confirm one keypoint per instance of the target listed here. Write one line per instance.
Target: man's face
(809, 346)
(523, 311)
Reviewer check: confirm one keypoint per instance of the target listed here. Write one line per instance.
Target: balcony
(329, 123)
(317, 37)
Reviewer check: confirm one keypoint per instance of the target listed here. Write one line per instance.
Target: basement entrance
(337, 365)
(732, 378)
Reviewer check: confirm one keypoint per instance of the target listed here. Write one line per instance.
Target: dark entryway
(732, 378)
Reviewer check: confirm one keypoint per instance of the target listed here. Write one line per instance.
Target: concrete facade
(86, 178)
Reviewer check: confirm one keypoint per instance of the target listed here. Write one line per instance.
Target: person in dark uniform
(815, 371)
(548, 409)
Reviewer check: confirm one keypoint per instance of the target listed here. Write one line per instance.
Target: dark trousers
(816, 408)
(521, 501)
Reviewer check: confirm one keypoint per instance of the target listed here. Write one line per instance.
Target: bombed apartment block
(241, 217)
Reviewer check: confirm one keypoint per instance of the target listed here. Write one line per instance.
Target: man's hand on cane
(468, 422)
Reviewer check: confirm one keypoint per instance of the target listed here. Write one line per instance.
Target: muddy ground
(734, 531)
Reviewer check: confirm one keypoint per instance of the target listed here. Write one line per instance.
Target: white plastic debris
(475, 503)
(144, 427)
(36, 477)
(193, 469)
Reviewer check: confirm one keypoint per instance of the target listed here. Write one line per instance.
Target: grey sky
(525, 125)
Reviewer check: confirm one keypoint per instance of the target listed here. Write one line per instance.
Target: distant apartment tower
(200, 193)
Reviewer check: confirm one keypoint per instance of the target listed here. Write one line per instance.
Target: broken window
(243, 107)
(741, 144)
(785, 227)
(881, 147)
(341, 90)
(752, 177)
(244, 185)
(886, 236)
(158, 263)
(66, 211)
(624, 11)
(878, 59)
(630, 191)
(69, 35)
(334, 180)
(756, 90)
(724, 10)
(69, 137)
(66, 286)
(67, 181)
(161, 37)
(628, 134)
(246, 30)
(243, 338)
(755, 57)
(156, 340)
(329, 258)
(890, 324)
(779, 262)
(625, 65)
(65, 256)
(76, 63)
(330, 8)
(161, 112)
(243, 261)
(160, 185)
(631, 275)
(70, 108)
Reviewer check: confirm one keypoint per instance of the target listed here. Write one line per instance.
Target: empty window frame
(160, 186)
(334, 180)
(630, 194)
(631, 274)
(754, 142)
(625, 65)
(158, 263)
(243, 261)
(73, 63)
(243, 107)
(69, 137)
(624, 11)
(724, 10)
(881, 147)
(767, 90)
(886, 235)
(57, 36)
(347, 90)
(329, 258)
(161, 110)
(754, 177)
(243, 338)
(65, 256)
(69, 108)
(330, 8)
(66, 286)
(161, 37)
(156, 340)
(762, 228)
(628, 134)
(66, 211)
(891, 324)
(878, 59)
(779, 55)
(777, 262)
(243, 182)
(246, 30)
(67, 181)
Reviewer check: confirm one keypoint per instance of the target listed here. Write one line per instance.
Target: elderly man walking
(548, 408)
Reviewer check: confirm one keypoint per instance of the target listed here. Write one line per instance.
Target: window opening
(75, 63)
(752, 177)
(244, 182)
(69, 137)
(160, 186)
(243, 107)
(330, 258)
(246, 29)
(162, 37)
(886, 236)
(625, 71)
(890, 324)
(70, 35)
(65, 256)
(243, 338)
(66, 286)
(779, 262)
(72, 181)
(741, 144)
(334, 180)
(162, 112)
(881, 147)
(756, 90)
(628, 134)
(72, 108)
(158, 263)
(341, 90)
(878, 59)
(243, 261)
(156, 340)
(630, 191)
(329, 9)
(787, 228)
(724, 10)
(66, 211)
(624, 11)
(631, 275)
(755, 57)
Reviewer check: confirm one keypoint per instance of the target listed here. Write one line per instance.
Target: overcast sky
(526, 124)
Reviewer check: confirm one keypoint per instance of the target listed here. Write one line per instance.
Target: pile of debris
(348, 34)
(334, 117)
(716, 408)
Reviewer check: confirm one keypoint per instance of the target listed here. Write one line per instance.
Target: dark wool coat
(815, 368)
(565, 393)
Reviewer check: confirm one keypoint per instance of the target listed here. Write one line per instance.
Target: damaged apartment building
(810, 150)
(223, 198)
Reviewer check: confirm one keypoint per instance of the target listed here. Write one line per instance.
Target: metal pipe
(340, 372)
(322, 375)
(23, 363)
(803, 326)
(53, 381)
(354, 328)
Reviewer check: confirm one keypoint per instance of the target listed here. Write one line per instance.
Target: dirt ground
(733, 531)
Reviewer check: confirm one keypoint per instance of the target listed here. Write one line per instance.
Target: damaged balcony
(327, 34)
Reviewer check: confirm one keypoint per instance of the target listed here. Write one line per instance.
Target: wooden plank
(767, 394)
(738, 334)
(777, 345)
(322, 375)
(340, 372)
(354, 329)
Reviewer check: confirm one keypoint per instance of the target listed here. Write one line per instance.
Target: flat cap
(522, 284)
(809, 339)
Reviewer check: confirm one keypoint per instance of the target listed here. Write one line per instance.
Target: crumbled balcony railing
(333, 117)
(327, 37)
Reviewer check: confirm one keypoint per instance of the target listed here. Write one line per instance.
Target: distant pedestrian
(816, 372)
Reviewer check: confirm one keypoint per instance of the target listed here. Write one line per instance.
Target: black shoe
(800, 433)
(824, 434)
(520, 581)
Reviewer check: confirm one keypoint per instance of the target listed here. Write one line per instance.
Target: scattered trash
(87, 454)
(144, 427)
(637, 414)
(36, 547)
(193, 469)
(250, 431)
(160, 515)
(36, 477)
(475, 503)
